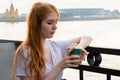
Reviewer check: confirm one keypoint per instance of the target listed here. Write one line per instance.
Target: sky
(24, 6)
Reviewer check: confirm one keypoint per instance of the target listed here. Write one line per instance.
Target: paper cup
(75, 52)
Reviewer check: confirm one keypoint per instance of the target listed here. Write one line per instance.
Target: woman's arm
(82, 41)
(67, 61)
(51, 76)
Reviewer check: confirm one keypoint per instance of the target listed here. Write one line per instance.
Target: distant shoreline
(20, 19)
(88, 18)
(62, 19)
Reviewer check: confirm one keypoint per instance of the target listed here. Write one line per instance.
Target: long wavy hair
(33, 41)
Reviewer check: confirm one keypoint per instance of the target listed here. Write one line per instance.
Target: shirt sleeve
(20, 64)
(64, 46)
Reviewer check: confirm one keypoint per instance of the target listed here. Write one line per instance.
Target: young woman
(38, 57)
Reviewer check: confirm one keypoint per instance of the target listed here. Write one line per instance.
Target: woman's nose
(55, 26)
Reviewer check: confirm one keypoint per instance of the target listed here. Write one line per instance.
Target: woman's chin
(50, 37)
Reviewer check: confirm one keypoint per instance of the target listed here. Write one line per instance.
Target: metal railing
(94, 59)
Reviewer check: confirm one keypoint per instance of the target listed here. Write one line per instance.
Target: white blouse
(58, 50)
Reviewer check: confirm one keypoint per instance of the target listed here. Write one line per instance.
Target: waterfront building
(11, 13)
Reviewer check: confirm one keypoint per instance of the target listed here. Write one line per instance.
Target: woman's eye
(49, 23)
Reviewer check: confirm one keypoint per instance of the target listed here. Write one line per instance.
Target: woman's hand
(70, 61)
(83, 54)
(73, 60)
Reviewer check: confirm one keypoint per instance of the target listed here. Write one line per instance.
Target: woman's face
(49, 25)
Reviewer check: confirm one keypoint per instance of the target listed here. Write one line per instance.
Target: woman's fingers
(73, 65)
(73, 61)
(70, 48)
(83, 54)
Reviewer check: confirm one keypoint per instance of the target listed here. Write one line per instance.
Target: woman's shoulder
(59, 42)
(24, 50)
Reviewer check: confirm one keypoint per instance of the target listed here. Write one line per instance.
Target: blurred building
(11, 13)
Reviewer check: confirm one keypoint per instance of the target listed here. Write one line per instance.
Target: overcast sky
(24, 5)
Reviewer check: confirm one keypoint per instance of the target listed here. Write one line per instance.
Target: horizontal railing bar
(90, 48)
(103, 50)
(7, 41)
(99, 70)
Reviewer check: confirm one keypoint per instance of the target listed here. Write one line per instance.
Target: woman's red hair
(33, 41)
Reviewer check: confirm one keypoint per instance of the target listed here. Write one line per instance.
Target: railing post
(108, 77)
(81, 74)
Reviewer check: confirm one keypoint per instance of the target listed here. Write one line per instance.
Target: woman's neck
(44, 43)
